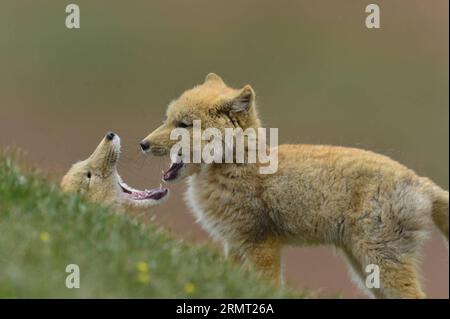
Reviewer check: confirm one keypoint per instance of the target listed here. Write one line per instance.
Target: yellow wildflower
(189, 288)
(142, 266)
(44, 236)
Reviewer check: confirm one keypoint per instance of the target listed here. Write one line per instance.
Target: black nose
(144, 145)
(110, 136)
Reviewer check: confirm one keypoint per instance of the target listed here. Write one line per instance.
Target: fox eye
(184, 125)
(89, 175)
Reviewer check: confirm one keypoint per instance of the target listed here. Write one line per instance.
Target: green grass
(43, 230)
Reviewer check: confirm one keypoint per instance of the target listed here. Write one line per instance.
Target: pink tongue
(172, 172)
(150, 194)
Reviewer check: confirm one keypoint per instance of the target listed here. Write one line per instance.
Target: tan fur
(97, 179)
(374, 209)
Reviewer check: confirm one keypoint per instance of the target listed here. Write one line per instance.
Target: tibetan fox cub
(373, 209)
(98, 180)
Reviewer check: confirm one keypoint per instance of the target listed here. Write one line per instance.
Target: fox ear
(212, 77)
(243, 100)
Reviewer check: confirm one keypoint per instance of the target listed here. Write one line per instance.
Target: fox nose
(110, 136)
(145, 145)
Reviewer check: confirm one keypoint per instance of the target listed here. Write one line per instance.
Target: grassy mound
(43, 230)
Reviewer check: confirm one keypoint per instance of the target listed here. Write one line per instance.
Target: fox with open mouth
(374, 210)
(98, 180)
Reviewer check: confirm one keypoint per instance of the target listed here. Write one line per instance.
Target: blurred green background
(319, 74)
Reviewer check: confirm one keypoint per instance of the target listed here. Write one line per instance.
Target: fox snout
(106, 155)
(153, 149)
(158, 142)
(145, 145)
(110, 136)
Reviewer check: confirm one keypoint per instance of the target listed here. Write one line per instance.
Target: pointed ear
(243, 100)
(212, 77)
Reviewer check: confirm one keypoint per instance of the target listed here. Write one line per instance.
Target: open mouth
(148, 194)
(173, 172)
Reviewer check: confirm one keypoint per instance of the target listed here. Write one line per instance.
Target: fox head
(215, 104)
(97, 179)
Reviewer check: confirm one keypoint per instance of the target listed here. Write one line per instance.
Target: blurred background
(319, 74)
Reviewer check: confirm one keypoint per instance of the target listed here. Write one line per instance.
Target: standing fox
(98, 180)
(375, 210)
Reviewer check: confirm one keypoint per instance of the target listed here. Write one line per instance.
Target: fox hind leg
(358, 275)
(400, 280)
(397, 280)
